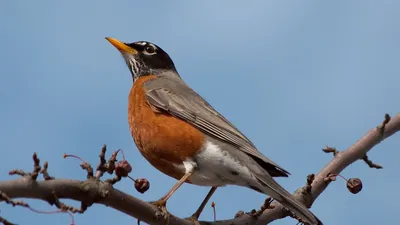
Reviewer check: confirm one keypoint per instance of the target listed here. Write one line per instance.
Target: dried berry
(122, 168)
(354, 185)
(142, 185)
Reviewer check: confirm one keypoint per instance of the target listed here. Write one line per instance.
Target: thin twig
(45, 173)
(102, 167)
(370, 163)
(64, 207)
(36, 166)
(328, 149)
(6, 222)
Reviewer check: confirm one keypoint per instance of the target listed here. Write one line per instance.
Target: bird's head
(144, 58)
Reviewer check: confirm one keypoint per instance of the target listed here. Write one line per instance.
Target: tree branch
(93, 190)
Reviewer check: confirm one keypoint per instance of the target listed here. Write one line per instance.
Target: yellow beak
(123, 48)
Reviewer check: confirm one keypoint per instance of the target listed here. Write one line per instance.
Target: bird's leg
(162, 202)
(196, 215)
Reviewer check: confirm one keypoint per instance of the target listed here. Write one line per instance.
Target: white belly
(216, 167)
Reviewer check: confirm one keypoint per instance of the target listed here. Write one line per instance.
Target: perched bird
(184, 137)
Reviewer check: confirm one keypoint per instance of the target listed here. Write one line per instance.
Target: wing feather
(178, 99)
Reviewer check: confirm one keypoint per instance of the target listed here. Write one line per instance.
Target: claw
(193, 219)
(161, 205)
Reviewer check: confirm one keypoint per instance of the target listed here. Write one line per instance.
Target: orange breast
(165, 141)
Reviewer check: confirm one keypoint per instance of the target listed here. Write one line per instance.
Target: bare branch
(34, 174)
(18, 172)
(90, 190)
(63, 207)
(370, 163)
(101, 168)
(338, 164)
(328, 149)
(96, 191)
(46, 175)
(381, 127)
(5, 222)
(105, 166)
(8, 200)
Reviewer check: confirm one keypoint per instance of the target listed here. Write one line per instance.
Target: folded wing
(179, 100)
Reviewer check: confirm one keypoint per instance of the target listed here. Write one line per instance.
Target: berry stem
(123, 154)
(131, 178)
(74, 156)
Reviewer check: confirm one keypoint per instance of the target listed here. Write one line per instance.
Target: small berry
(122, 168)
(354, 185)
(142, 185)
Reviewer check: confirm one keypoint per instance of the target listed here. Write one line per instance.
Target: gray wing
(175, 97)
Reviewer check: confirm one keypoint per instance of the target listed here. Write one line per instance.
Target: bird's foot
(194, 218)
(161, 205)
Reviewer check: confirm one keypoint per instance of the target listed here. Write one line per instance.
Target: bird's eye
(149, 49)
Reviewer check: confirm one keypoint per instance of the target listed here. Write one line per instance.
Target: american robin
(184, 137)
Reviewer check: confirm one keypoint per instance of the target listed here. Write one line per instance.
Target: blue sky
(293, 76)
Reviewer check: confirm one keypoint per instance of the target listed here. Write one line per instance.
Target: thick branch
(92, 190)
(339, 163)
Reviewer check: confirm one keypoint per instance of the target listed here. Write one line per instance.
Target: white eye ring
(149, 49)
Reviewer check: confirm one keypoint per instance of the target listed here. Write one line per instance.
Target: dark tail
(274, 190)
